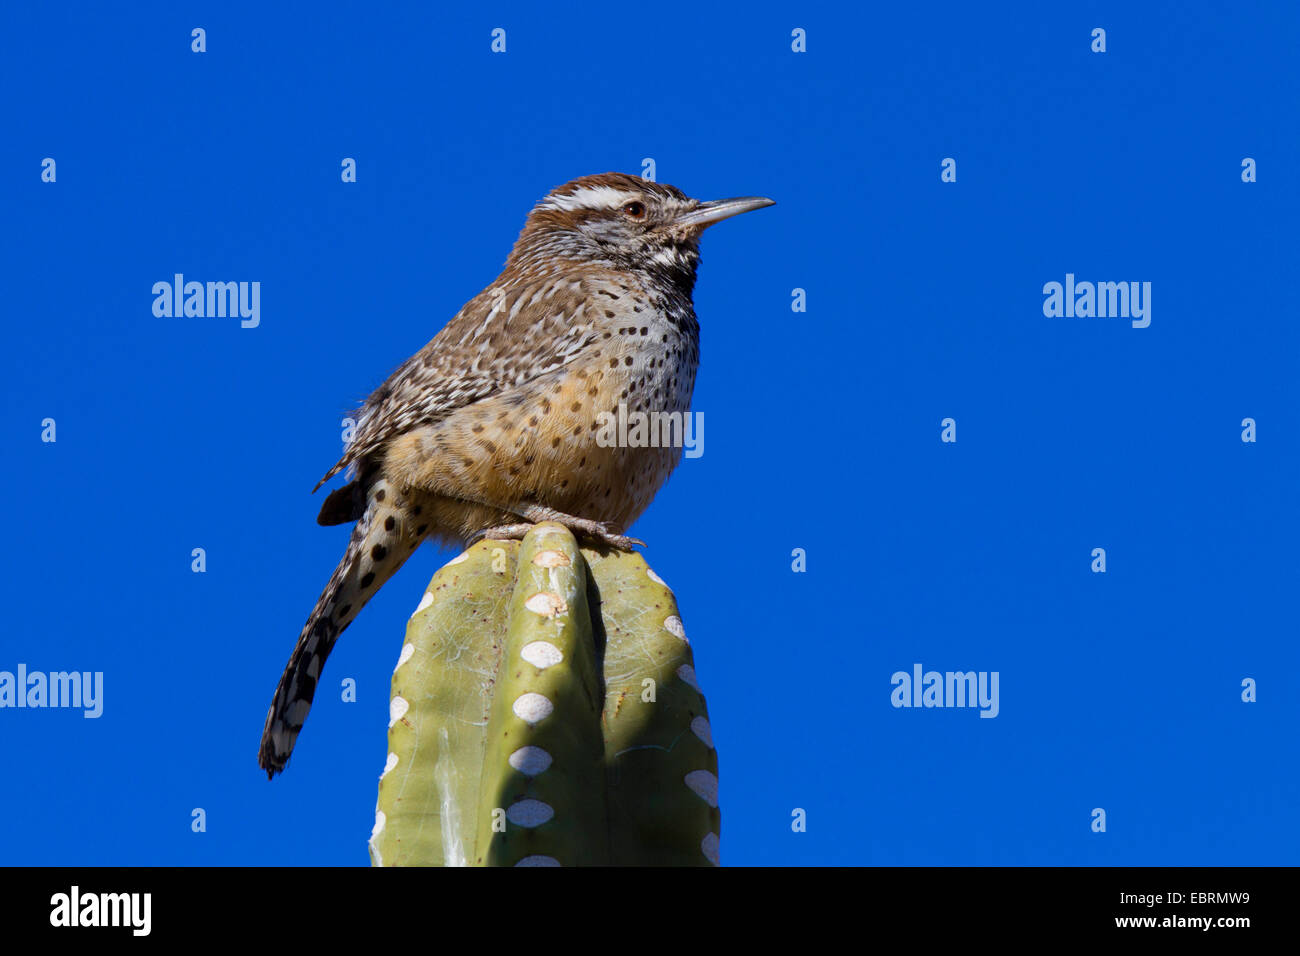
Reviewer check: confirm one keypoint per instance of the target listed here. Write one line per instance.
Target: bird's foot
(502, 532)
(607, 534)
(604, 532)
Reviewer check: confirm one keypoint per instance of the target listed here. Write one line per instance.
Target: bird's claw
(603, 532)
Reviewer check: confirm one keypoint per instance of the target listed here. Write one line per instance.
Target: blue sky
(1119, 690)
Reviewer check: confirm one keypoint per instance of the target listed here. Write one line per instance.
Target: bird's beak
(716, 210)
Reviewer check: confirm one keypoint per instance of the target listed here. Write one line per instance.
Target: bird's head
(624, 222)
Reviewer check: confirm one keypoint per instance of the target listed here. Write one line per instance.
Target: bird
(492, 427)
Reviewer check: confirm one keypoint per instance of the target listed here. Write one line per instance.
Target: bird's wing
(506, 336)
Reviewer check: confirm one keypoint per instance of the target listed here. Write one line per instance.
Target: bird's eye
(634, 210)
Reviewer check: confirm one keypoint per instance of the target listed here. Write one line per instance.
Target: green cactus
(545, 711)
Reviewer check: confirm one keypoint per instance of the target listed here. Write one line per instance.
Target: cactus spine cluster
(545, 711)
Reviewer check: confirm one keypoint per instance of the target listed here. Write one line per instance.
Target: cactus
(545, 711)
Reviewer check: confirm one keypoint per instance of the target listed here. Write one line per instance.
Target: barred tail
(384, 537)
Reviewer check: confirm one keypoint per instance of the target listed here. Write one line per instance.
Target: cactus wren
(495, 420)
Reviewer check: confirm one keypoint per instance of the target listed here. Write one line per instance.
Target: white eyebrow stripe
(588, 197)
